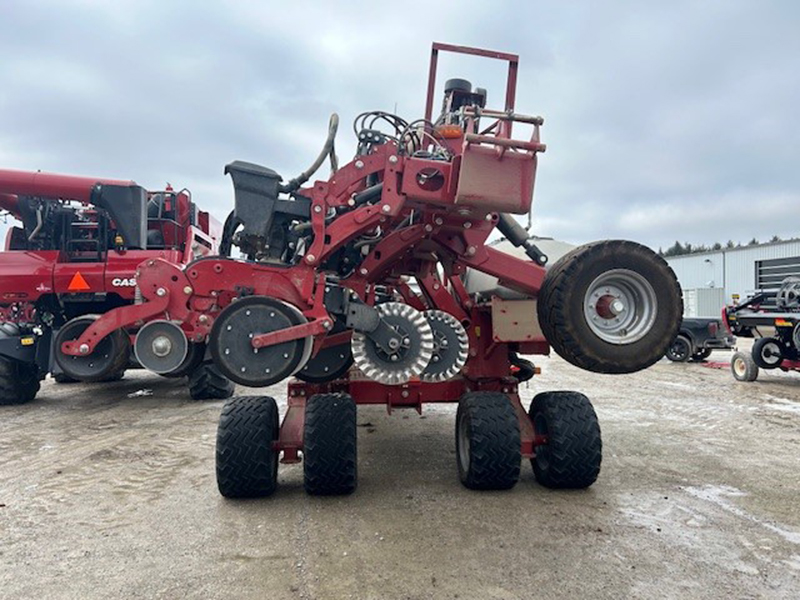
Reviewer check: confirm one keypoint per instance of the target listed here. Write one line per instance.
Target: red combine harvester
(369, 266)
(74, 257)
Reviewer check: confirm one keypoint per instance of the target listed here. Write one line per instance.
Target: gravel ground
(104, 495)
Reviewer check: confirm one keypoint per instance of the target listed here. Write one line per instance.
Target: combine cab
(74, 256)
(353, 289)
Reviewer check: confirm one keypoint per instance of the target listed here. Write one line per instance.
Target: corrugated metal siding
(733, 270)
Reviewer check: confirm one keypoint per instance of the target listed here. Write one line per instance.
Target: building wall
(732, 270)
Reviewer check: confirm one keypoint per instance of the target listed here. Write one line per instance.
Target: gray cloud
(662, 122)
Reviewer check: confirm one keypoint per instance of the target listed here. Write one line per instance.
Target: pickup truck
(697, 338)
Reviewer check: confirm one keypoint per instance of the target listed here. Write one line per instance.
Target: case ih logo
(123, 282)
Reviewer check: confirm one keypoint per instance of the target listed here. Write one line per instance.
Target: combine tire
(610, 307)
(572, 455)
(680, 350)
(247, 465)
(744, 367)
(487, 441)
(19, 382)
(207, 383)
(330, 460)
(767, 353)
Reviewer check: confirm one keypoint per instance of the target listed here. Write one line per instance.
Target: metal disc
(450, 347)
(329, 364)
(161, 346)
(409, 360)
(231, 346)
(308, 340)
(112, 352)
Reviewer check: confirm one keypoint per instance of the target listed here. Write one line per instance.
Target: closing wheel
(768, 353)
(111, 355)
(680, 350)
(161, 346)
(194, 357)
(409, 359)
(450, 347)
(574, 450)
(19, 382)
(247, 464)
(610, 307)
(744, 367)
(487, 441)
(231, 346)
(330, 456)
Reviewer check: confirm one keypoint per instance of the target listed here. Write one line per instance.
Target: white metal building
(712, 279)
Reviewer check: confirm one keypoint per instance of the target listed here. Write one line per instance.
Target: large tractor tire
(574, 450)
(488, 446)
(744, 367)
(247, 464)
(207, 383)
(330, 448)
(610, 307)
(19, 382)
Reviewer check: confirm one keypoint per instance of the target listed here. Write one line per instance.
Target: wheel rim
(620, 306)
(679, 349)
(739, 367)
(771, 353)
(463, 444)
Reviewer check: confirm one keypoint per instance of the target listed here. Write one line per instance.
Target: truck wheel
(247, 464)
(19, 382)
(743, 367)
(574, 450)
(680, 350)
(63, 378)
(488, 446)
(701, 355)
(330, 460)
(207, 383)
(610, 307)
(767, 353)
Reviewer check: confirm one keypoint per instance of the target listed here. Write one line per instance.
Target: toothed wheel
(450, 347)
(409, 359)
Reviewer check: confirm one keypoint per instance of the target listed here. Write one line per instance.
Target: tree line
(678, 249)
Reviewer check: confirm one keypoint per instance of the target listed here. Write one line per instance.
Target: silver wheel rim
(463, 444)
(771, 354)
(620, 306)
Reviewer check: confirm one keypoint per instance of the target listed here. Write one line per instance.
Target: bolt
(386, 208)
(84, 349)
(471, 251)
(438, 220)
(359, 164)
(393, 343)
(363, 271)
(617, 306)
(326, 324)
(317, 208)
(428, 227)
(161, 292)
(393, 160)
(467, 224)
(187, 290)
(404, 393)
(311, 258)
(489, 217)
(203, 319)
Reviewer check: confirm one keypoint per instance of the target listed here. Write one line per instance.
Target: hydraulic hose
(327, 150)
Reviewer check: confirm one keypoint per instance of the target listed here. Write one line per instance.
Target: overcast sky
(663, 121)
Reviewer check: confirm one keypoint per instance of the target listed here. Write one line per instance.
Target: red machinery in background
(371, 266)
(74, 256)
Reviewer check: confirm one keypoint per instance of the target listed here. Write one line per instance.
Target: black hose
(327, 150)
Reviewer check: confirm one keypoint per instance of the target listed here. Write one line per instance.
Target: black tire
(561, 307)
(19, 382)
(744, 367)
(247, 464)
(115, 345)
(572, 455)
(63, 378)
(701, 355)
(488, 451)
(680, 350)
(207, 383)
(194, 357)
(330, 448)
(768, 353)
